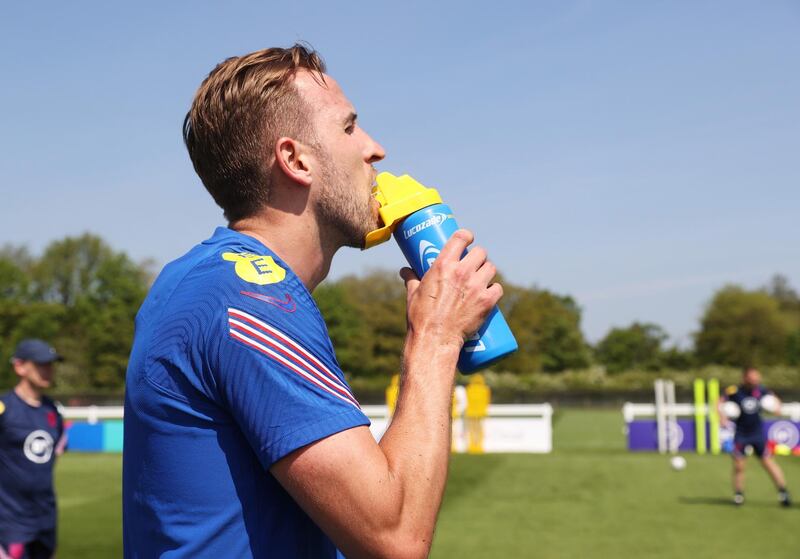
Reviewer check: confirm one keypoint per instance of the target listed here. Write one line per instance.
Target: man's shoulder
(221, 267)
(232, 279)
(50, 405)
(9, 399)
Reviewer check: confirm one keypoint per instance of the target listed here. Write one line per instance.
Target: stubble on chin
(343, 214)
(376, 221)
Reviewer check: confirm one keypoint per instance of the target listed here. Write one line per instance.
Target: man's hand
(456, 295)
(382, 500)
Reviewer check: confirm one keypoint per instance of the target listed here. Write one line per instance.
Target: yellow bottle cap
(399, 197)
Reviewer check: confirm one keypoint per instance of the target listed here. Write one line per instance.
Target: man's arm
(724, 421)
(381, 500)
(63, 438)
(778, 403)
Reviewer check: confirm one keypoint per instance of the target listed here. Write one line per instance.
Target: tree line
(82, 296)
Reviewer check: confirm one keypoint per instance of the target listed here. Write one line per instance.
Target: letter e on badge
(254, 268)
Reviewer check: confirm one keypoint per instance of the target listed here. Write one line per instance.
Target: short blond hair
(241, 109)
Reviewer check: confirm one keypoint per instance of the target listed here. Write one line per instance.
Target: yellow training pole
(700, 415)
(713, 415)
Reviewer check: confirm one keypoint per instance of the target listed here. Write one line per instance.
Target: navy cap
(37, 351)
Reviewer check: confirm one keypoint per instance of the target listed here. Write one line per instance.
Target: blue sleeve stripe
(283, 349)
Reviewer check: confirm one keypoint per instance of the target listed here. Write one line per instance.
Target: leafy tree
(106, 316)
(781, 290)
(547, 329)
(740, 327)
(366, 320)
(793, 348)
(789, 304)
(79, 295)
(637, 346)
(68, 269)
(346, 328)
(380, 298)
(524, 320)
(14, 282)
(677, 358)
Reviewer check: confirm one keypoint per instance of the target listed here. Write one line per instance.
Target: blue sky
(635, 155)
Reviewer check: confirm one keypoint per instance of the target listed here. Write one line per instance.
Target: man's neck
(298, 241)
(28, 393)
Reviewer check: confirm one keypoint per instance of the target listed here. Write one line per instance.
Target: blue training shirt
(231, 369)
(30, 439)
(749, 422)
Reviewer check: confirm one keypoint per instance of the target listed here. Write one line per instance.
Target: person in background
(749, 432)
(31, 436)
(479, 396)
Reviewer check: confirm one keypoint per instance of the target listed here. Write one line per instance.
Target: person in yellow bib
(479, 395)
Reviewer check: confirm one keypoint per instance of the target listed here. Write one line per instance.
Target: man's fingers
(486, 272)
(410, 278)
(495, 291)
(474, 258)
(457, 244)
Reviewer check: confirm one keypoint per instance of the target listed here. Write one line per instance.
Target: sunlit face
(344, 155)
(39, 375)
(752, 377)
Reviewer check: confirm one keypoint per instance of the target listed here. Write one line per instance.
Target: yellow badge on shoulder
(253, 268)
(2, 408)
(732, 389)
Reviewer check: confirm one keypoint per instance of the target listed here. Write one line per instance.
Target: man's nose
(376, 151)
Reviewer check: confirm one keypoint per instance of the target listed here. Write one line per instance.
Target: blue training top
(231, 369)
(29, 438)
(749, 422)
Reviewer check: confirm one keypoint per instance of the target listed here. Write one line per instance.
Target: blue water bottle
(422, 224)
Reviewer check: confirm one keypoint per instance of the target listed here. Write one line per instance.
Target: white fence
(508, 428)
(92, 414)
(631, 411)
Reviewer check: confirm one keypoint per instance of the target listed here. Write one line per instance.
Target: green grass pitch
(589, 498)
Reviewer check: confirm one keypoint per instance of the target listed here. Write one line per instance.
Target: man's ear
(18, 365)
(294, 159)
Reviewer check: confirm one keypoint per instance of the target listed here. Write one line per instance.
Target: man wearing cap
(31, 436)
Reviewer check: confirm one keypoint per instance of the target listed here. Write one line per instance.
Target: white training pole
(672, 419)
(661, 427)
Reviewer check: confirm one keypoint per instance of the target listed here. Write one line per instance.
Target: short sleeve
(283, 391)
